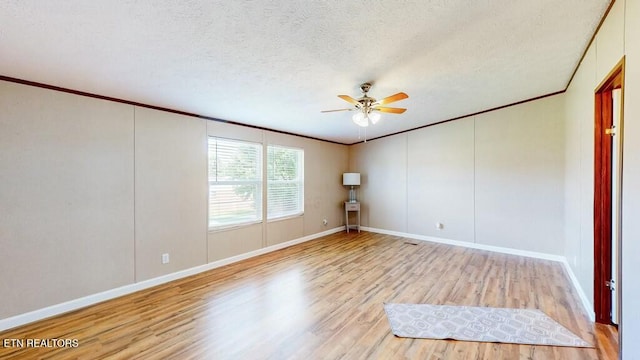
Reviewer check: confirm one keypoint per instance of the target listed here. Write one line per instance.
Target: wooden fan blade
(350, 100)
(389, 110)
(393, 98)
(323, 111)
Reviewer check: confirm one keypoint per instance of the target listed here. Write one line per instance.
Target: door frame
(602, 198)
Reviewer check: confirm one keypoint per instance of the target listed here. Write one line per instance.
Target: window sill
(286, 217)
(232, 226)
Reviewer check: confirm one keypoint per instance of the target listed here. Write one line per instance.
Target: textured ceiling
(276, 64)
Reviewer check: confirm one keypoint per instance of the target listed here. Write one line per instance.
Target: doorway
(609, 99)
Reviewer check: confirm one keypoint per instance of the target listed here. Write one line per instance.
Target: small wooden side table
(352, 206)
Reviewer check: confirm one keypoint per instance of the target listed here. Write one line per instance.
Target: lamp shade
(374, 116)
(360, 119)
(351, 179)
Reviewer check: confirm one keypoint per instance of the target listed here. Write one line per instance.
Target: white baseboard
(586, 304)
(75, 304)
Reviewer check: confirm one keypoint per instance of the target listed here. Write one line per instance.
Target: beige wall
(630, 328)
(519, 176)
(66, 197)
(171, 190)
(619, 36)
(579, 148)
(441, 180)
(76, 172)
(494, 179)
(231, 242)
(383, 190)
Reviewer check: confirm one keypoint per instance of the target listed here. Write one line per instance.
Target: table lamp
(351, 179)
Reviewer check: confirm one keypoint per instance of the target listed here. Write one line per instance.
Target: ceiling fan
(369, 109)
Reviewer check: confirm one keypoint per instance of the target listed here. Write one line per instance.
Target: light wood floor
(321, 300)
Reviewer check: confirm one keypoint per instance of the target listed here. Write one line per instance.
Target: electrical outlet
(165, 258)
(324, 222)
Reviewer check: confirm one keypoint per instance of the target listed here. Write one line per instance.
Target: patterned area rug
(486, 324)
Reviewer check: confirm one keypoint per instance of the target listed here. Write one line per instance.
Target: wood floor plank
(322, 299)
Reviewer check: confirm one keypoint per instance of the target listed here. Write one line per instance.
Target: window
(285, 182)
(235, 182)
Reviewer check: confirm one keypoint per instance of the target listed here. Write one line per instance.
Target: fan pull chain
(360, 133)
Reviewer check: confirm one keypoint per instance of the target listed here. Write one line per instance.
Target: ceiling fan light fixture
(360, 119)
(368, 109)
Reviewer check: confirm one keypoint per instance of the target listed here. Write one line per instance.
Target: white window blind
(235, 182)
(285, 181)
